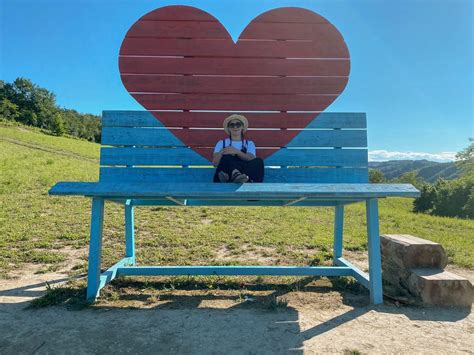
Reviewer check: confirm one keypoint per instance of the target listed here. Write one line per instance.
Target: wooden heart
(286, 61)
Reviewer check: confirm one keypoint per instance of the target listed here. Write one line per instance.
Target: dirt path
(214, 322)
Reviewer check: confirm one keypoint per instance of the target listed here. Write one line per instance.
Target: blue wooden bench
(181, 64)
(144, 164)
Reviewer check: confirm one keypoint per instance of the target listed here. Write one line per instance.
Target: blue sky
(411, 60)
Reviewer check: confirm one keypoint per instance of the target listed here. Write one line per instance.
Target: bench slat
(241, 102)
(233, 85)
(195, 47)
(290, 14)
(311, 175)
(215, 119)
(178, 29)
(186, 13)
(247, 191)
(240, 202)
(234, 66)
(208, 138)
(186, 156)
(317, 32)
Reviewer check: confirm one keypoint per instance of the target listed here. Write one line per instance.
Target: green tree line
(25, 102)
(450, 198)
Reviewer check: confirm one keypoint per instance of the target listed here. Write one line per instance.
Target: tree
(468, 208)
(451, 198)
(424, 203)
(36, 105)
(465, 160)
(28, 117)
(410, 177)
(376, 176)
(30, 104)
(8, 110)
(58, 124)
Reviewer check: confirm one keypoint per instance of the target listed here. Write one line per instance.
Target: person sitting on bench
(235, 157)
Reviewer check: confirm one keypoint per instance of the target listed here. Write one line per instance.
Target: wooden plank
(186, 156)
(319, 157)
(290, 14)
(234, 66)
(293, 31)
(150, 156)
(208, 47)
(139, 136)
(240, 202)
(95, 248)
(178, 13)
(233, 85)
(189, 13)
(290, 175)
(373, 246)
(215, 119)
(330, 138)
(208, 138)
(238, 102)
(247, 191)
(178, 29)
(236, 270)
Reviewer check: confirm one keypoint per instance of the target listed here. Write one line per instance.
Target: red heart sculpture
(182, 58)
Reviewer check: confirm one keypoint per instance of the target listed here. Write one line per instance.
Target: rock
(439, 287)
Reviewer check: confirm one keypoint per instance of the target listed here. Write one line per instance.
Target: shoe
(223, 177)
(238, 177)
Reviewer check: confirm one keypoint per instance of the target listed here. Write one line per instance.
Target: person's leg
(255, 170)
(227, 165)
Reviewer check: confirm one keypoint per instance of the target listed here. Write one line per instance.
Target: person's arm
(232, 151)
(216, 158)
(218, 152)
(244, 156)
(251, 152)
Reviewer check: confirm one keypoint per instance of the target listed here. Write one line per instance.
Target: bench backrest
(137, 147)
(287, 66)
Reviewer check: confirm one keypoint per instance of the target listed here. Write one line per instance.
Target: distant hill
(429, 171)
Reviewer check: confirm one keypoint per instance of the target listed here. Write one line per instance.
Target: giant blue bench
(144, 164)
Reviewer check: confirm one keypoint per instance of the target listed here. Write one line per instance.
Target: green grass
(36, 228)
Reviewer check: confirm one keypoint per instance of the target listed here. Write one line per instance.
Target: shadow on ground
(190, 316)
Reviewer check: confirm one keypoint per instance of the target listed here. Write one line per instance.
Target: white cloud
(383, 155)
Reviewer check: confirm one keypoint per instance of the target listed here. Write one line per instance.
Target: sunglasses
(237, 124)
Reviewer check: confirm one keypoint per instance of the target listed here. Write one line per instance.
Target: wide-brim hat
(236, 117)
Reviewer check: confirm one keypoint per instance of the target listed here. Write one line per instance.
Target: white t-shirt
(237, 145)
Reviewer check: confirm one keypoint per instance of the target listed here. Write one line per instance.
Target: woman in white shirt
(235, 157)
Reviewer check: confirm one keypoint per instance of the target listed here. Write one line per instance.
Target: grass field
(37, 228)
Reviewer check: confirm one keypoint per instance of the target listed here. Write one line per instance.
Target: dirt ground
(318, 320)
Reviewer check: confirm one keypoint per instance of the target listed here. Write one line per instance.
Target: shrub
(453, 198)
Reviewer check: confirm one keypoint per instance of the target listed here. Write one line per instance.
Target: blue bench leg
(95, 249)
(338, 232)
(375, 266)
(130, 231)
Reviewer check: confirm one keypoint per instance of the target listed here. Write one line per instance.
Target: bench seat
(214, 191)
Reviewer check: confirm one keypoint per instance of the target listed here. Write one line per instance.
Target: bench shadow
(32, 290)
(187, 323)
